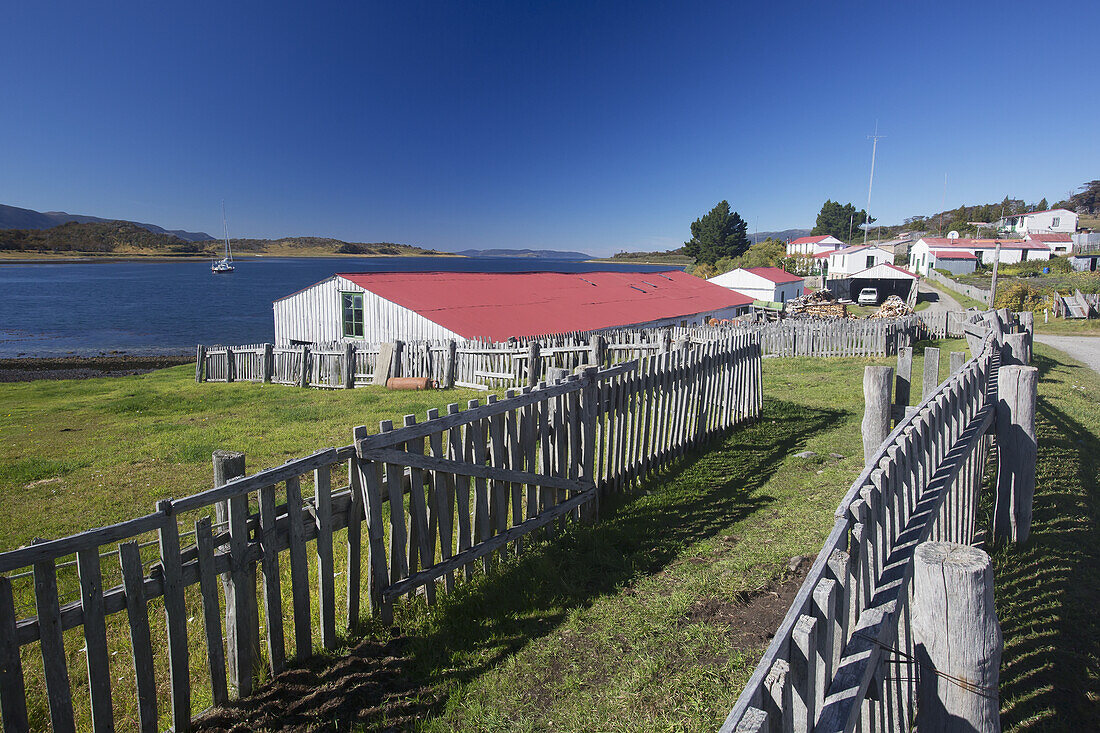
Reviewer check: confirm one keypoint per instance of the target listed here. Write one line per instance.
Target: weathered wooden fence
(844, 657)
(484, 365)
(437, 497)
(944, 324)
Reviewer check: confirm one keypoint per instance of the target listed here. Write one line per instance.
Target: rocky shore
(84, 367)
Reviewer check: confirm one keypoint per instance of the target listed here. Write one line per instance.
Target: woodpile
(892, 307)
(818, 304)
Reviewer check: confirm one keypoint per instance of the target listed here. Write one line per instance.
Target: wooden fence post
(956, 361)
(904, 381)
(666, 342)
(230, 365)
(304, 376)
(200, 362)
(590, 511)
(242, 628)
(876, 409)
(349, 365)
(534, 364)
(269, 362)
(449, 364)
(931, 371)
(1014, 350)
(398, 350)
(596, 351)
(957, 639)
(1017, 388)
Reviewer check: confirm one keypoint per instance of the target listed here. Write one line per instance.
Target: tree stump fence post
(269, 363)
(876, 409)
(931, 376)
(1017, 449)
(957, 639)
(200, 362)
(449, 354)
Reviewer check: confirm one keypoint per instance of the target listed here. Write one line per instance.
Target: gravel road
(1085, 349)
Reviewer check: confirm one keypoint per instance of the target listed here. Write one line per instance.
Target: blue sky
(591, 126)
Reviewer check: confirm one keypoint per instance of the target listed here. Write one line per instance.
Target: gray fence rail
(843, 658)
(424, 504)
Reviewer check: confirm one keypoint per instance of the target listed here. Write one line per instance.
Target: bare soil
(85, 367)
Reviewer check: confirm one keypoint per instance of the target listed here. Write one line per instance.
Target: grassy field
(651, 620)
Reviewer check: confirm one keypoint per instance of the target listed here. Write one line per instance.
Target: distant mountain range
(12, 217)
(782, 236)
(539, 254)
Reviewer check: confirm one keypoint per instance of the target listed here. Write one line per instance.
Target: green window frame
(351, 312)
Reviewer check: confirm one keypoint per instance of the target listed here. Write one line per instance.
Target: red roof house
(411, 306)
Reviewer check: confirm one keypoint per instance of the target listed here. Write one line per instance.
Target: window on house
(870, 260)
(1023, 255)
(978, 256)
(351, 305)
(1054, 221)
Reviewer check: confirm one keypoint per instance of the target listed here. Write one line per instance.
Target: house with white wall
(414, 306)
(1060, 243)
(850, 260)
(1036, 222)
(813, 245)
(762, 283)
(931, 252)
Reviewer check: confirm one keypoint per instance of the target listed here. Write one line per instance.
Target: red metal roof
(810, 240)
(938, 242)
(1050, 237)
(773, 274)
(500, 305)
(950, 254)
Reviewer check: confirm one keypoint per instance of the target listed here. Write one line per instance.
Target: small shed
(1060, 243)
(762, 283)
(886, 278)
(845, 262)
(494, 306)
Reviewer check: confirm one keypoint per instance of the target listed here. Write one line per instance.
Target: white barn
(850, 260)
(924, 255)
(413, 306)
(813, 245)
(1037, 222)
(762, 283)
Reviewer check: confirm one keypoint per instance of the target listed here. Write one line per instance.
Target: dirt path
(1085, 349)
(939, 300)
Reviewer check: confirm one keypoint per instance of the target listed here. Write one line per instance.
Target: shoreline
(83, 259)
(29, 369)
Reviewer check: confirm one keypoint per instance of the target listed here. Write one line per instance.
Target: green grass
(1067, 326)
(1048, 589)
(627, 625)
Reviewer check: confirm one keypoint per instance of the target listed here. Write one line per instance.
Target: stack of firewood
(892, 307)
(818, 304)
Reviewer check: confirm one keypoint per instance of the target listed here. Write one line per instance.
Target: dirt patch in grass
(751, 622)
(369, 688)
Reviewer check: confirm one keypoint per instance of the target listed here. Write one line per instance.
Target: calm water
(168, 307)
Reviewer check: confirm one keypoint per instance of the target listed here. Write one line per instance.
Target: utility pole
(874, 148)
(993, 284)
(851, 220)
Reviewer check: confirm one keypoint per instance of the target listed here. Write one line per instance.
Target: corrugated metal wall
(313, 316)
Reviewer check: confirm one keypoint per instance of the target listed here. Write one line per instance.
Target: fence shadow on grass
(391, 683)
(1048, 590)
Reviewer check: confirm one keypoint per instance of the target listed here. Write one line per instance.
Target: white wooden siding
(313, 315)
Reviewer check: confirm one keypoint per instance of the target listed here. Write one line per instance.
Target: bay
(133, 307)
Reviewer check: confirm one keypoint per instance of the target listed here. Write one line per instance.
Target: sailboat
(224, 265)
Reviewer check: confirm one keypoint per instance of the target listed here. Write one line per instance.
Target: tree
(1088, 200)
(837, 220)
(719, 234)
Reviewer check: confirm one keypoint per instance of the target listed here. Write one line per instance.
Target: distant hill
(109, 237)
(125, 239)
(13, 217)
(783, 236)
(540, 254)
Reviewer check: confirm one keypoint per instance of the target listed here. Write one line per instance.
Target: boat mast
(225, 229)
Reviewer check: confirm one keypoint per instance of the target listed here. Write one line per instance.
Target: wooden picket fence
(944, 324)
(438, 499)
(843, 657)
(526, 362)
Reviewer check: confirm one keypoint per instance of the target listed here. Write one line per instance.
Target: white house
(813, 245)
(1036, 222)
(933, 252)
(414, 306)
(762, 283)
(850, 260)
(1060, 243)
